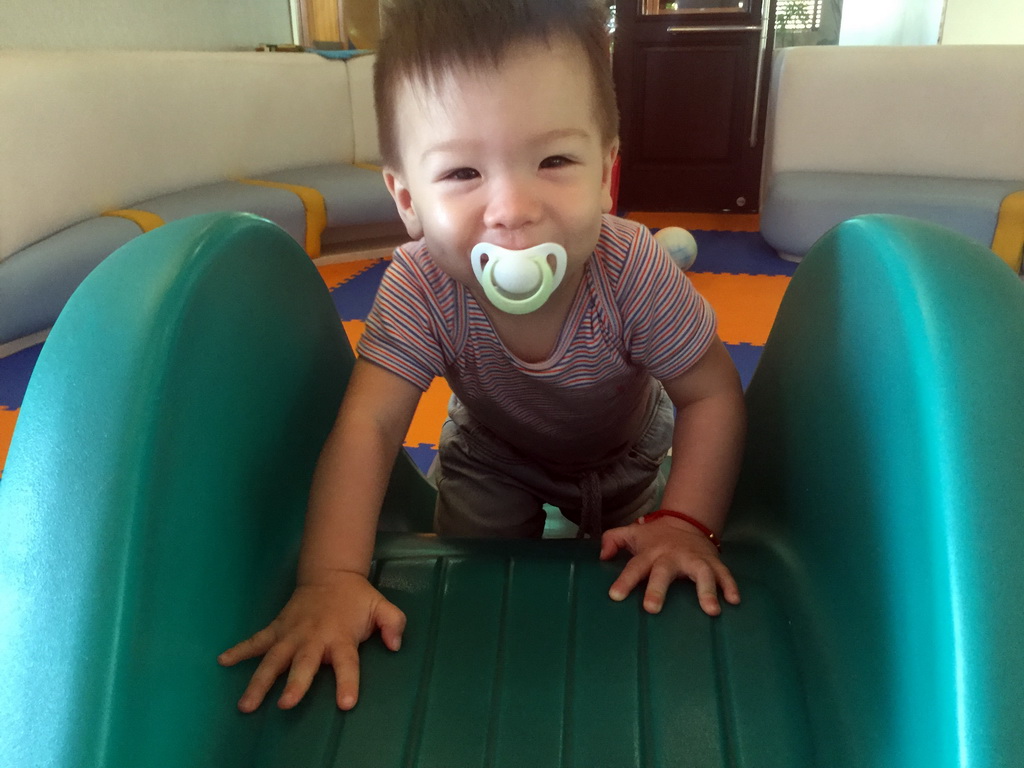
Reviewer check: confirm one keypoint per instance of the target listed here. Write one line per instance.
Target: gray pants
(488, 489)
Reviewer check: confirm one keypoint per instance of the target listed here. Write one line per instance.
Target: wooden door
(691, 78)
(353, 23)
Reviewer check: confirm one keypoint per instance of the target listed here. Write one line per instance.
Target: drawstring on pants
(590, 513)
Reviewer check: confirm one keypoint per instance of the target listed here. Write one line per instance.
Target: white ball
(517, 276)
(680, 245)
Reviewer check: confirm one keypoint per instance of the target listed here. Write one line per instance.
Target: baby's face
(511, 156)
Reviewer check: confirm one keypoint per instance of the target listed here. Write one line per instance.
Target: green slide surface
(152, 505)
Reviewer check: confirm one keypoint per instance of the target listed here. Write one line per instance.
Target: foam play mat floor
(736, 270)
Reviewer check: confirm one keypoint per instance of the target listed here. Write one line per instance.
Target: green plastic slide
(152, 505)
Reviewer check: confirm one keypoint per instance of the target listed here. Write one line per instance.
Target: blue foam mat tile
(422, 455)
(738, 253)
(745, 357)
(354, 297)
(15, 371)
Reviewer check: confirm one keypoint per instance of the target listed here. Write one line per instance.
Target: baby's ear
(403, 201)
(607, 164)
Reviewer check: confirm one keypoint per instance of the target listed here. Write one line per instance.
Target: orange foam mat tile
(7, 419)
(430, 415)
(721, 222)
(425, 429)
(343, 271)
(746, 305)
(354, 330)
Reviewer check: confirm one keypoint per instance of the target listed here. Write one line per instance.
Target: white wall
(144, 24)
(892, 22)
(983, 21)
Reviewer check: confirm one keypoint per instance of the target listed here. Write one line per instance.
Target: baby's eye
(555, 161)
(462, 174)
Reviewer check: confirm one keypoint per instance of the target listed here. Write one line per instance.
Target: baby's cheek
(587, 233)
(454, 263)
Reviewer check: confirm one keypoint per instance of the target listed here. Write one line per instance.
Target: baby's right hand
(321, 624)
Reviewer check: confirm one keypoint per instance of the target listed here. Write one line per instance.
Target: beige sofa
(98, 146)
(932, 132)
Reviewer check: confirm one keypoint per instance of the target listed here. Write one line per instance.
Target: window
(798, 15)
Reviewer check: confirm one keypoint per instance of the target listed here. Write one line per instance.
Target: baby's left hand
(663, 551)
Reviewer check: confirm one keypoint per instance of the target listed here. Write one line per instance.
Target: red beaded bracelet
(686, 519)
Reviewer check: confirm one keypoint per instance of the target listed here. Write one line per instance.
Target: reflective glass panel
(654, 7)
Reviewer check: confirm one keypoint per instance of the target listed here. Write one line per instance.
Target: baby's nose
(513, 204)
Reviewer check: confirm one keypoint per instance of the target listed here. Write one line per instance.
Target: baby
(567, 336)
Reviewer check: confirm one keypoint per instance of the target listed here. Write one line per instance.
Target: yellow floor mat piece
(1008, 239)
(746, 305)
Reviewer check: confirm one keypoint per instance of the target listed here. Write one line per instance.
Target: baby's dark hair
(422, 40)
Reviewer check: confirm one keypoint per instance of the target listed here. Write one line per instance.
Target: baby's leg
(484, 489)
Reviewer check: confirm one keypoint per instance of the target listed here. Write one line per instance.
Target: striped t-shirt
(635, 316)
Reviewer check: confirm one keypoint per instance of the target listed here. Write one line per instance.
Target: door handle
(759, 78)
(719, 28)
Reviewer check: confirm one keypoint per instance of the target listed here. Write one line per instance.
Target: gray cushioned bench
(929, 132)
(100, 146)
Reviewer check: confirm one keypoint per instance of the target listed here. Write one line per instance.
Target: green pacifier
(518, 282)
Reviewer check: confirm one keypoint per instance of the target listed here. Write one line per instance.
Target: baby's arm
(334, 607)
(707, 446)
